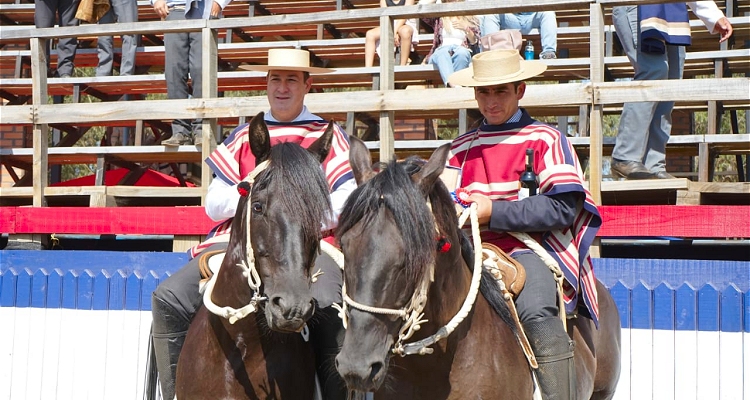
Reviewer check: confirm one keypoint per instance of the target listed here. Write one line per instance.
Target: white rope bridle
(412, 312)
(248, 271)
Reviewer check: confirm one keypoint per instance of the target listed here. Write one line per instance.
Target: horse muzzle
(284, 317)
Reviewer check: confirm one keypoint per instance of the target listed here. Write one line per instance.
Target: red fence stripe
(618, 221)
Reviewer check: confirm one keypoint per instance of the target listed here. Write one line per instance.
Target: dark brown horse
(261, 356)
(389, 238)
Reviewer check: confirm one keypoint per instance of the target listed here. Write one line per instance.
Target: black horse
(261, 356)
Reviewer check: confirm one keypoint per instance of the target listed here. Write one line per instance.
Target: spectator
(120, 11)
(182, 58)
(176, 299)
(452, 44)
(545, 21)
(641, 143)
(404, 32)
(62, 12)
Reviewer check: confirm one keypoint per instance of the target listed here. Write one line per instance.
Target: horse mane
(298, 182)
(393, 189)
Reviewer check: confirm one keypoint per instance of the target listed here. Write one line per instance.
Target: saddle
(504, 268)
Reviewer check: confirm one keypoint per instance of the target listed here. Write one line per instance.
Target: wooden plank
(596, 130)
(40, 136)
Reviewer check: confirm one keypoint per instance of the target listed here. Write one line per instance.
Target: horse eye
(257, 207)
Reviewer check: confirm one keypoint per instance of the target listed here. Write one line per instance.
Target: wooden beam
(41, 130)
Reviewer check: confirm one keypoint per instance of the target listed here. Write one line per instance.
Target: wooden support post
(350, 123)
(386, 83)
(210, 90)
(597, 114)
(703, 162)
(463, 121)
(41, 131)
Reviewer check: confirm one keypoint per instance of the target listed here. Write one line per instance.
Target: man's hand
(725, 28)
(215, 10)
(484, 207)
(160, 8)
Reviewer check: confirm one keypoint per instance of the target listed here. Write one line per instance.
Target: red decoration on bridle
(443, 245)
(243, 188)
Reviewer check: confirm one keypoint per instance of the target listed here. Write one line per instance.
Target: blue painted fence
(686, 324)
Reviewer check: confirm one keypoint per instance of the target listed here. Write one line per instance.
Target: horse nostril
(375, 370)
(277, 301)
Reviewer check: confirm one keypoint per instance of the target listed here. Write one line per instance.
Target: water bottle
(529, 51)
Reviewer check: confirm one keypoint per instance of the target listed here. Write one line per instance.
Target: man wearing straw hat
(562, 217)
(175, 300)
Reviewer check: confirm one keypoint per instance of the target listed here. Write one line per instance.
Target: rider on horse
(175, 301)
(562, 218)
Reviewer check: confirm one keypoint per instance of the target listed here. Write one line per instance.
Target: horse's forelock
(393, 188)
(298, 184)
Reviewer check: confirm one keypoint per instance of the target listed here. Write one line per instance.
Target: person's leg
(625, 20)
(195, 60)
(629, 153)
(173, 305)
(515, 21)
(441, 58)
(371, 38)
(127, 11)
(553, 348)
(490, 24)
(547, 23)
(66, 47)
(461, 58)
(176, 68)
(44, 17)
(105, 46)
(326, 328)
(405, 32)
(661, 123)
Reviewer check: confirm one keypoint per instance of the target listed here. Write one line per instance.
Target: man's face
(286, 92)
(498, 103)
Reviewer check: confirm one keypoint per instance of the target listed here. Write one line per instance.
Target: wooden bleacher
(336, 37)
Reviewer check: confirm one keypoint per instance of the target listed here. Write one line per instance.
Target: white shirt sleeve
(221, 200)
(708, 12)
(338, 198)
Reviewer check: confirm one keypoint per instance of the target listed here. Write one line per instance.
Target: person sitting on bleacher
(641, 142)
(452, 44)
(182, 57)
(46, 13)
(404, 31)
(545, 21)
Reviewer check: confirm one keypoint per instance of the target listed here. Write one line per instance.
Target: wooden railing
(594, 94)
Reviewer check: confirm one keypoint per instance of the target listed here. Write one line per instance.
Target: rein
(412, 313)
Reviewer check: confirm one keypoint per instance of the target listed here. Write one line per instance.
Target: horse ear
(260, 139)
(322, 146)
(360, 160)
(431, 171)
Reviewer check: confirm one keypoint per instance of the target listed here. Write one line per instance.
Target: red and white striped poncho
(492, 159)
(233, 160)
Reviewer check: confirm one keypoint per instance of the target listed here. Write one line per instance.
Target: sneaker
(177, 140)
(547, 55)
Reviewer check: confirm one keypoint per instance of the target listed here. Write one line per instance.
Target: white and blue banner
(75, 325)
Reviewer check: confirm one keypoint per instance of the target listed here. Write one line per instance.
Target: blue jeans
(545, 21)
(450, 59)
(645, 126)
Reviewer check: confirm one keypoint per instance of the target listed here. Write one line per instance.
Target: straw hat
(496, 67)
(287, 60)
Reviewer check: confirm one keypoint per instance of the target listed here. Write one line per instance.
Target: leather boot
(554, 354)
(169, 331)
(327, 336)
(630, 170)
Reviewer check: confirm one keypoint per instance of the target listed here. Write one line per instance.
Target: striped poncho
(492, 159)
(662, 24)
(233, 160)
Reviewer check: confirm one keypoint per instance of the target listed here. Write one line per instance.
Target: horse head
(388, 236)
(286, 206)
